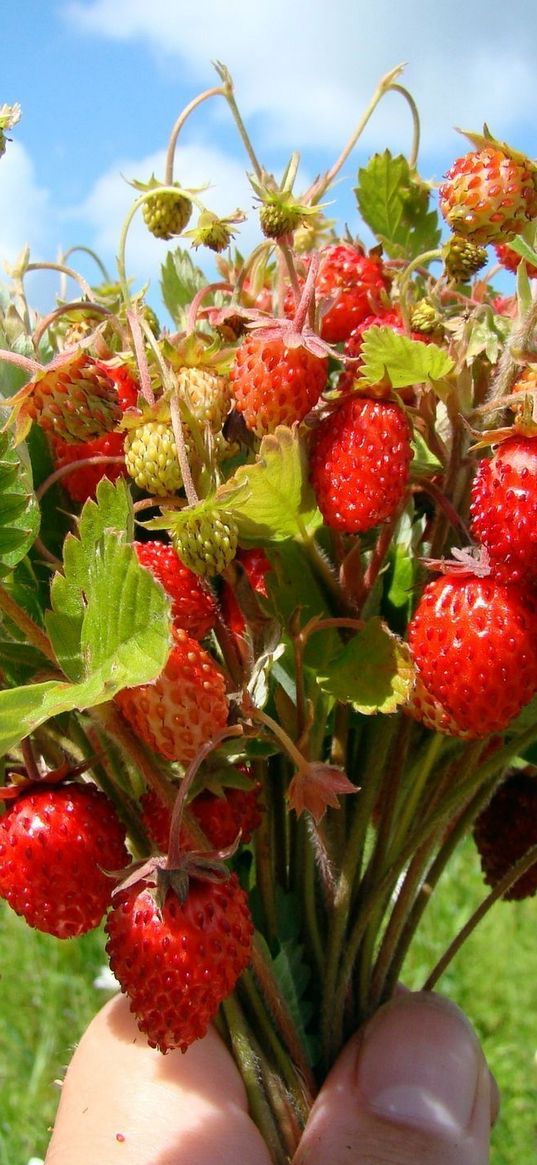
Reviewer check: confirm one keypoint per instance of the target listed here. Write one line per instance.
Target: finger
(413, 1085)
(124, 1102)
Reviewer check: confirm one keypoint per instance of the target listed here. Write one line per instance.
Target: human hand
(412, 1085)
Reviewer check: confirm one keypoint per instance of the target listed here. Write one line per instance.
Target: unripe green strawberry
(506, 830)
(424, 318)
(463, 258)
(166, 214)
(279, 219)
(151, 458)
(73, 398)
(206, 394)
(489, 194)
(205, 539)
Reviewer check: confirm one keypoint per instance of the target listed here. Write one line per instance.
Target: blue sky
(102, 81)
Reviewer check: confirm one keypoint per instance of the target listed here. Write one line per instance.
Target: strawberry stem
(215, 91)
(254, 1071)
(318, 188)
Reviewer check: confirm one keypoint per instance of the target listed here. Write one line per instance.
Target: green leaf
(394, 202)
(107, 611)
(386, 354)
(373, 672)
(180, 280)
(23, 709)
(425, 463)
(487, 335)
(272, 500)
(403, 568)
(19, 511)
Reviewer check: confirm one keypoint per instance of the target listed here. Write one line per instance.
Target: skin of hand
(412, 1085)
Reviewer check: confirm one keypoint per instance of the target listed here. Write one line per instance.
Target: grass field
(47, 997)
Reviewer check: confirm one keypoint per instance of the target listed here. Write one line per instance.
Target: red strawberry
(193, 608)
(489, 195)
(474, 641)
(354, 281)
(82, 483)
(427, 711)
(256, 566)
(359, 461)
(504, 508)
(506, 829)
(73, 398)
(184, 708)
(220, 818)
(55, 843)
(274, 384)
(178, 962)
(511, 261)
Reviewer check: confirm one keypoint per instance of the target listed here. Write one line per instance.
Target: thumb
(412, 1085)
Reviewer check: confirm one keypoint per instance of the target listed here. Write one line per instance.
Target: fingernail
(419, 1062)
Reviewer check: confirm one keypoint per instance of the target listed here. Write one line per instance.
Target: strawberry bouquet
(269, 618)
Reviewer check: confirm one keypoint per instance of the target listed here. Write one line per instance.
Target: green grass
(47, 998)
(493, 978)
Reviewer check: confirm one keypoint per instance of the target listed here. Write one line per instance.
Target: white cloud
(307, 69)
(25, 208)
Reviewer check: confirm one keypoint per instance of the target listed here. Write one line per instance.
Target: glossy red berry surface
(359, 461)
(178, 963)
(55, 844)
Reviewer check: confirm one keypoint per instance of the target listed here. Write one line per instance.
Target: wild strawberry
(355, 283)
(205, 538)
(221, 818)
(184, 708)
(425, 320)
(256, 566)
(427, 711)
(506, 829)
(193, 608)
(504, 508)
(55, 843)
(359, 461)
(82, 483)
(511, 260)
(206, 394)
(166, 214)
(463, 258)
(151, 458)
(273, 384)
(176, 963)
(474, 642)
(488, 195)
(72, 398)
